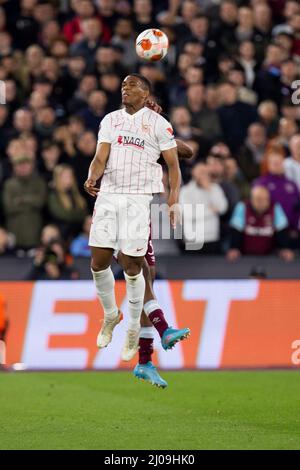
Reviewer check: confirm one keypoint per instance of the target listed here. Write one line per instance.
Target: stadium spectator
(50, 32)
(79, 100)
(247, 60)
(4, 324)
(202, 117)
(63, 136)
(245, 25)
(23, 121)
(263, 21)
(45, 122)
(235, 116)
(234, 175)
(125, 38)
(110, 83)
(24, 197)
(85, 146)
(209, 196)
(7, 242)
(226, 24)
(268, 116)
(25, 29)
(236, 76)
(252, 153)
(222, 149)
(291, 8)
(80, 244)
(267, 82)
(216, 168)
(109, 14)
(282, 190)
(5, 44)
(73, 29)
(67, 208)
(182, 122)
(286, 129)
(51, 157)
(50, 264)
(50, 234)
(92, 38)
(258, 227)
(143, 14)
(106, 61)
(292, 163)
(32, 67)
(95, 111)
(4, 127)
(3, 20)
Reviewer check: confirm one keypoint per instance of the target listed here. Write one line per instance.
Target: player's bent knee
(96, 266)
(133, 270)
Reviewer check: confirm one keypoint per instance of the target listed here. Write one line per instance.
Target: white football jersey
(136, 143)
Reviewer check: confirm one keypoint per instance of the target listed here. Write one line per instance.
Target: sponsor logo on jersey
(131, 141)
(170, 130)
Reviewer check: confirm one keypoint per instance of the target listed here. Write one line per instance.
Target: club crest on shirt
(146, 128)
(131, 141)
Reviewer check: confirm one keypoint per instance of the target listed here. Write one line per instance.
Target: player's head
(260, 199)
(135, 90)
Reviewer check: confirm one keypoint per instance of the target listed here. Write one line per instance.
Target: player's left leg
(169, 336)
(145, 369)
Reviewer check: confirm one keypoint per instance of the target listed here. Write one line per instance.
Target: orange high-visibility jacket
(2, 312)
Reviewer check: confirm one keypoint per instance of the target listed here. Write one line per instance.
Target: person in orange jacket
(3, 330)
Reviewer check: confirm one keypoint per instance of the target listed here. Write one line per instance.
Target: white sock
(135, 288)
(151, 306)
(105, 285)
(147, 332)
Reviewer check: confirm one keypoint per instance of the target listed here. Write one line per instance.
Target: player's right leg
(135, 289)
(103, 243)
(105, 285)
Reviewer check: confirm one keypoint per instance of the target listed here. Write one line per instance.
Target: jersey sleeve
(238, 219)
(165, 134)
(280, 219)
(104, 134)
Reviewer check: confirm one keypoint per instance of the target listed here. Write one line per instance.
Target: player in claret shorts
(130, 142)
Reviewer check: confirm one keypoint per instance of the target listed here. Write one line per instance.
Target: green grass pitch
(112, 410)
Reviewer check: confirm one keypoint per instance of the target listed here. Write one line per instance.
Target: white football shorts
(121, 222)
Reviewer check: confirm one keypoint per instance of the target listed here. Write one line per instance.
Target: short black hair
(147, 84)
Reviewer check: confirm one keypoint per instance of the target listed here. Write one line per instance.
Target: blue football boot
(172, 336)
(149, 373)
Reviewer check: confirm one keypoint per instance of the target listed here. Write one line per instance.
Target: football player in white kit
(130, 142)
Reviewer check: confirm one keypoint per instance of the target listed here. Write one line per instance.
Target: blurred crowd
(228, 84)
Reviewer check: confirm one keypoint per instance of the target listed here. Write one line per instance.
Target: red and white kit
(132, 175)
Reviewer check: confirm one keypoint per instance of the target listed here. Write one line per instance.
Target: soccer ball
(152, 45)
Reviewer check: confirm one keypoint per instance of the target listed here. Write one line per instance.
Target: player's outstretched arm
(185, 152)
(97, 168)
(171, 158)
